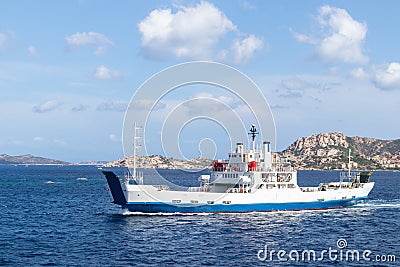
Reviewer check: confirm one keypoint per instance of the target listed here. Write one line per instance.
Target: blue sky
(68, 69)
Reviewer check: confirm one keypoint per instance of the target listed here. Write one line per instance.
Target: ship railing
(281, 169)
(239, 190)
(137, 177)
(346, 174)
(309, 189)
(349, 179)
(193, 189)
(198, 189)
(161, 187)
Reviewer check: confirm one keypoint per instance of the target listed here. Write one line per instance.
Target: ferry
(253, 180)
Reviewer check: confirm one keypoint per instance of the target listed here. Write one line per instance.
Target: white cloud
(113, 138)
(104, 73)
(79, 107)
(358, 73)
(81, 39)
(244, 49)
(38, 139)
(32, 51)
(47, 106)
(387, 77)
(304, 38)
(342, 37)
(191, 32)
(110, 105)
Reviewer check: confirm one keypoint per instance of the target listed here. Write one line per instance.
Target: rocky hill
(330, 151)
(318, 151)
(29, 159)
(157, 161)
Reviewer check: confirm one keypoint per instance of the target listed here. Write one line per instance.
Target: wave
(51, 182)
(137, 213)
(369, 204)
(379, 203)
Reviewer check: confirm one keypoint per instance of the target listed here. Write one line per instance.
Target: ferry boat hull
(149, 199)
(160, 207)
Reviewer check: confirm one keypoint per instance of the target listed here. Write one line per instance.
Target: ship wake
(379, 204)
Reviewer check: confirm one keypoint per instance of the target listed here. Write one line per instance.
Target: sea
(63, 216)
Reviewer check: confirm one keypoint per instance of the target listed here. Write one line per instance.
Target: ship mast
(135, 147)
(349, 162)
(253, 132)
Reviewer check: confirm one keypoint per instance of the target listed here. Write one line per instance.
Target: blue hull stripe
(154, 207)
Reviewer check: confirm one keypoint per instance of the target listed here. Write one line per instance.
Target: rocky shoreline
(160, 162)
(328, 151)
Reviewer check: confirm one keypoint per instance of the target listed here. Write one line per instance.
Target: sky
(68, 70)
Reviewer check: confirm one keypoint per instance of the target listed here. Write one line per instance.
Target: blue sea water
(71, 222)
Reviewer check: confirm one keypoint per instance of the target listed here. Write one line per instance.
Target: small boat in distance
(249, 180)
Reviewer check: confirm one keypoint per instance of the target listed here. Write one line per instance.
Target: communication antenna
(253, 132)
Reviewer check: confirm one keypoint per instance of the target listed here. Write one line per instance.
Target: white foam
(137, 213)
(379, 204)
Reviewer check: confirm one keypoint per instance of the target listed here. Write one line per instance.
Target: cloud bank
(47, 106)
(104, 73)
(99, 41)
(110, 105)
(194, 32)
